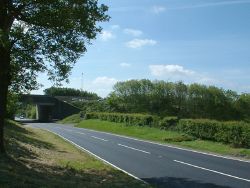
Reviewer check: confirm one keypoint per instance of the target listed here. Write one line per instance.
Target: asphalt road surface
(156, 164)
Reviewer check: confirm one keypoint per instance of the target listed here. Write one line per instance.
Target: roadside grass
(73, 119)
(37, 158)
(135, 131)
(165, 136)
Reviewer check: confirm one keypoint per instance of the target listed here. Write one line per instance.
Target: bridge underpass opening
(44, 112)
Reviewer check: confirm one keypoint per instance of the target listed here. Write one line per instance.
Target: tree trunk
(4, 83)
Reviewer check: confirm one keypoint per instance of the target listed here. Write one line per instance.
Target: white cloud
(158, 9)
(133, 32)
(114, 27)
(102, 85)
(106, 35)
(137, 43)
(179, 73)
(125, 64)
(104, 81)
(169, 70)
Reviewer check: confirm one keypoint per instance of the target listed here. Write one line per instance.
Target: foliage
(177, 99)
(243, 106)
(145, 132)
(30, 111)
(70, 92)
(164, 136)
(168, 122)
(55, 32)
(92, 105)
(128, 119)
(236, 133)
(26, 109)
(43, 36)
(11, 105)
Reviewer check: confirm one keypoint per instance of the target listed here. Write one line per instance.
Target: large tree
(42, 35)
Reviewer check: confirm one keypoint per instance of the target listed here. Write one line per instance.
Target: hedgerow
(129, 119)
(235, 133)
(231, 132)
(169, 122)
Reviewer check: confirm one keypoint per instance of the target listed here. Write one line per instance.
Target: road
(160, 165)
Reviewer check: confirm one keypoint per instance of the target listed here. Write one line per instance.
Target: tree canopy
(47, 36)
(70, 92)
(178, 99)
(43, 36)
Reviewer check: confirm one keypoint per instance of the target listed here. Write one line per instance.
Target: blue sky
(203, 41)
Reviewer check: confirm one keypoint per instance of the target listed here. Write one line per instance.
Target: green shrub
(31, 111)
(235, 133)
(129, 119)
(168, 122)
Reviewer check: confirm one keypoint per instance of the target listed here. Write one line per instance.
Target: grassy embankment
(37, 158)
(164, 136)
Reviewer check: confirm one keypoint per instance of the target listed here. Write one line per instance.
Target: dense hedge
(168, 122)
(129, 119)
(235, 133)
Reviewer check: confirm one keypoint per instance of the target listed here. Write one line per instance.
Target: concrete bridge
(49, 108)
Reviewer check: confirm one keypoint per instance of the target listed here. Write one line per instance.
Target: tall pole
(82, 82)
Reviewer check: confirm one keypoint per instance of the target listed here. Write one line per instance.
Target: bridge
(49, 108)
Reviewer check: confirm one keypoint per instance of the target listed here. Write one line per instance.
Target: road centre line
(214, 171)
(99, 138)
(133, 148)
(171, 146)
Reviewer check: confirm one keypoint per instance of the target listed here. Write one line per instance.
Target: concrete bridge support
(43, 112)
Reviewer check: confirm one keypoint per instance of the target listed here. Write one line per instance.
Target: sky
(194, 41)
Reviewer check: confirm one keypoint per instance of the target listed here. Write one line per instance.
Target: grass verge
(163, 136)
(37, 158)
(73, 119)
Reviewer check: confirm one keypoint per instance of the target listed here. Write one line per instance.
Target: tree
(70, 92)
(243, 106)
(38, 36)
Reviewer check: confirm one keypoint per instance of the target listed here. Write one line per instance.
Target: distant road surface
(163, 166)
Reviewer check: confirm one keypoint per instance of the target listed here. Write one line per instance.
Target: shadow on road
(173, 182)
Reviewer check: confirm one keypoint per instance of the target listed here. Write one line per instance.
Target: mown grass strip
(164, 136)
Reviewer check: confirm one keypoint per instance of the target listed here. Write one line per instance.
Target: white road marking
(133, 148)
(80, 133)
(170, 146)
(96, 156)
(224, 174)
(99, 138)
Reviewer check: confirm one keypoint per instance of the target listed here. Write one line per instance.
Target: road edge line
(214, 171)
(175, 147)
(96, 156)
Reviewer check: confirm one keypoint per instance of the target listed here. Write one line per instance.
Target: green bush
(129, 119)
(30, 112)
(168, 122)
(235, 133)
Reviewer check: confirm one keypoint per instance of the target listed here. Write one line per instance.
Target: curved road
(156, 164)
